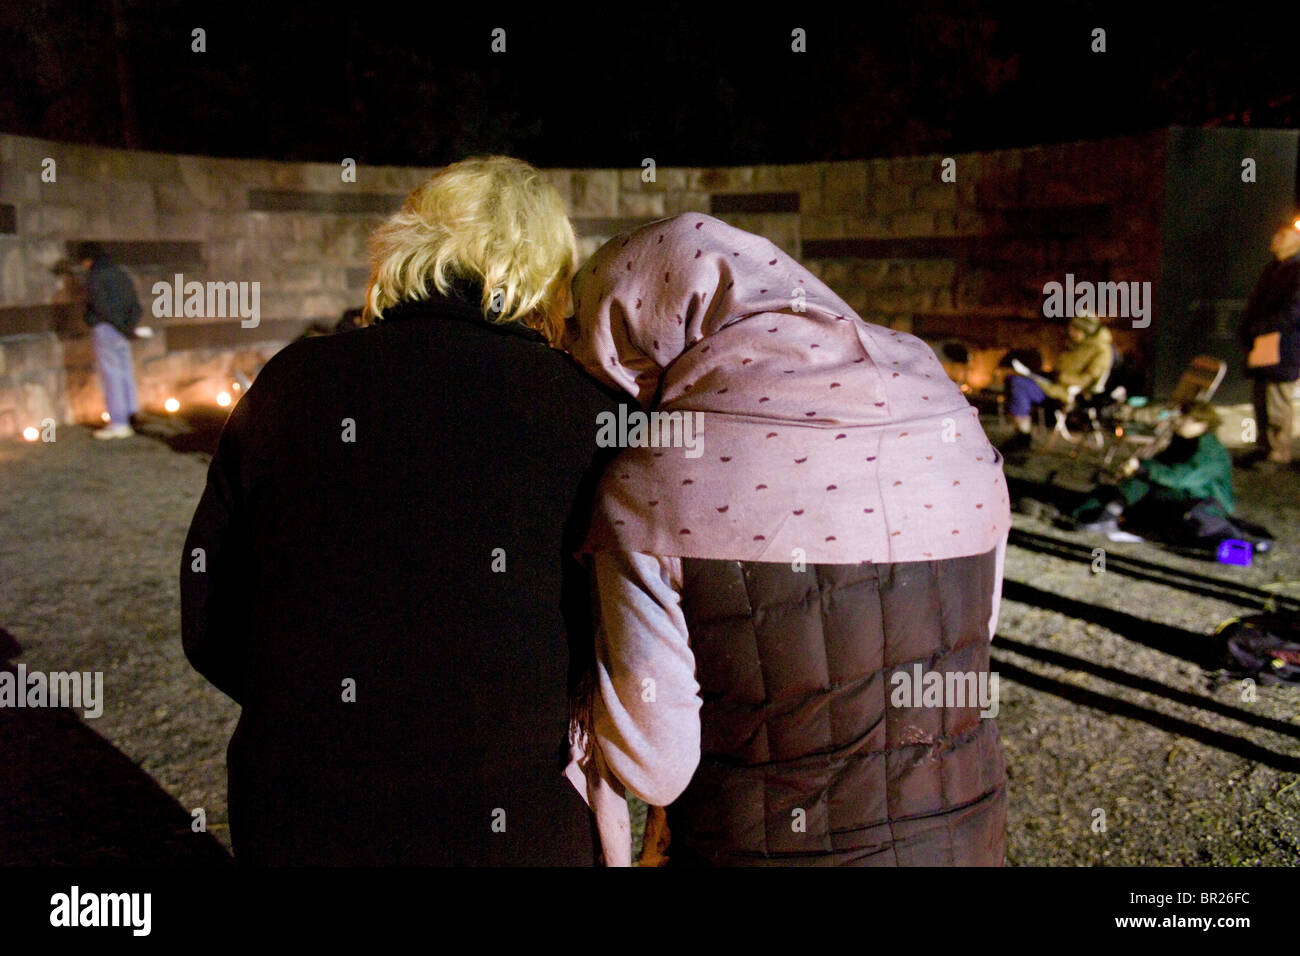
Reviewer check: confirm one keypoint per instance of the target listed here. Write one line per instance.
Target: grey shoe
(114, 431)
(1271, 466)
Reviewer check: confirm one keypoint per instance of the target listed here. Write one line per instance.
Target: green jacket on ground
(1206, 474)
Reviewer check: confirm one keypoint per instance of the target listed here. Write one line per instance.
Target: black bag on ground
(1263, 646)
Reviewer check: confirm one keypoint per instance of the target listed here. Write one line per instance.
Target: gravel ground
(1109, 697)
(89, 557)
(1112, 700)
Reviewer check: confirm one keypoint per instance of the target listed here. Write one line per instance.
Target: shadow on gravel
(1065, 498)
(1199, 649)
(195, 431)
(1121, 708)
(1147, 686)
(70, 798)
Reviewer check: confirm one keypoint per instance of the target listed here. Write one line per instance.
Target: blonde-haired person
(491, 228)
(386, 586)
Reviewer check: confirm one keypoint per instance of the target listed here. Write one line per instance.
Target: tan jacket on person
(1086, 365)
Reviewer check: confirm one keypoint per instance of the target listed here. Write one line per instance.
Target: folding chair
(1198, 383)
(1087, 411)
(1088, 429)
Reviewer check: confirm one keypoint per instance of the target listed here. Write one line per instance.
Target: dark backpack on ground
(1265, 647)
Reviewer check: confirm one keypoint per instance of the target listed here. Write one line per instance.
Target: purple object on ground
(1234, 551)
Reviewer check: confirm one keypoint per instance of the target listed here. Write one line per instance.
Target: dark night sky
(613, 84)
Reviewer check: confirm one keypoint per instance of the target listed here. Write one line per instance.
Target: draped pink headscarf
(821, 433)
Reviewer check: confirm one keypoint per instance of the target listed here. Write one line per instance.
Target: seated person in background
(1082, 369)
(1185, 490)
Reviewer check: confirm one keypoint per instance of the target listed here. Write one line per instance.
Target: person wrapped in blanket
(1183, 494)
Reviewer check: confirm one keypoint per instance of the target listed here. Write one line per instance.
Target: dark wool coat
(386, 589)
(1274, 306)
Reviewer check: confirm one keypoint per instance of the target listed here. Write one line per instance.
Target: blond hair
(489, 220)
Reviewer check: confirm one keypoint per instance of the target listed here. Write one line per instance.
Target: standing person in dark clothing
(771, 598)
(1270, 333)
(112, 312)
(379, 571)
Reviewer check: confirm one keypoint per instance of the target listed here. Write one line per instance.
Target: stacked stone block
(964, 259)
